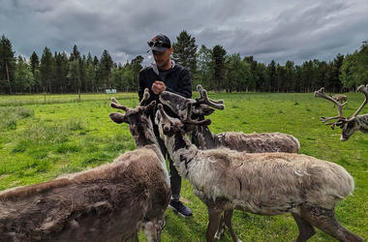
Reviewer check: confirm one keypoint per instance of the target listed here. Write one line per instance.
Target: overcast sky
(282, 30)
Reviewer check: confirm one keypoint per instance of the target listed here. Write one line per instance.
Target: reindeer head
(170, 126)
(140, 124)
(350, 124)
(200, 107)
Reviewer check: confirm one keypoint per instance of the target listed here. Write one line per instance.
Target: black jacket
(177, 80)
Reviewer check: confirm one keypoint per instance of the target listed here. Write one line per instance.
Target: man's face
(162, 59)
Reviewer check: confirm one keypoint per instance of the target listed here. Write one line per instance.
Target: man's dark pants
(175, 178)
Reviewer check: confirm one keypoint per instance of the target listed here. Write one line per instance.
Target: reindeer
(260, 183)
(203, 138)
(107, 203)
(350, 124)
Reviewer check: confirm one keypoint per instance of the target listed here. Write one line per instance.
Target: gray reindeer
(203, 138)
(260, 183)
(350, 124)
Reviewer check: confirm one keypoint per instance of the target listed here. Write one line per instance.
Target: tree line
(64, 73)
(214, 68)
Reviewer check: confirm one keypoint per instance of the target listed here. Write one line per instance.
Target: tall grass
(10, 116)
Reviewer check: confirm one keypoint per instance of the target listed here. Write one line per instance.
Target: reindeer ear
(158, 117)
(205, 122)
(150, 107)
(189, 111)
(206, 110)
(118, 118)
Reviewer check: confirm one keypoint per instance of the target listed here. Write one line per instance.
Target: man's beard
(164, 64)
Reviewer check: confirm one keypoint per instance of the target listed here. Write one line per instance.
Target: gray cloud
(279, 30)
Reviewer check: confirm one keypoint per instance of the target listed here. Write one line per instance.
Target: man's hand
(158, 87)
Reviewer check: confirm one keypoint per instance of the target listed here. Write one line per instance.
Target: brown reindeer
(107, 203)
(350, 124)
(260, 183)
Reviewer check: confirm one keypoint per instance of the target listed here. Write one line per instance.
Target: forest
(213, 67)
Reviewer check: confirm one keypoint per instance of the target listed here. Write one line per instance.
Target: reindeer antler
(146, 96)
(118, 117)
(189, 120)
(203, 99)
(117, 105)
(364, 90)
(321, 93)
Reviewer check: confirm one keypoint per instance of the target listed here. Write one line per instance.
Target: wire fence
(18, 100)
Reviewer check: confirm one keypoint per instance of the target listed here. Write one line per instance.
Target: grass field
(42, 137)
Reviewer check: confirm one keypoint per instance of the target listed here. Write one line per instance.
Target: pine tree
(136, 65)
(185, 51)
(7, 65)
(75, 54)
(204, 68)
(61, 72)
(47, 70)
(106, 65)
(218, 58)
(23, 77)
(271, 76)
(35, 63)
(83, 73)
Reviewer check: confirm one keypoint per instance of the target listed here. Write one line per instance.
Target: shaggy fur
(251, 143)
(359, 123)
(108, 203)
(259, 143)
(261, 183)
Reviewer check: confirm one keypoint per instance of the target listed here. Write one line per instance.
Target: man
(166, 75)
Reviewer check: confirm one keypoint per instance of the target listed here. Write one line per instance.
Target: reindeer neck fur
(363, 122)
(203, 138)
(181, 151)
(142, 132)
(145, 138)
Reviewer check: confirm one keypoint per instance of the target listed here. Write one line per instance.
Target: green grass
(42, 139)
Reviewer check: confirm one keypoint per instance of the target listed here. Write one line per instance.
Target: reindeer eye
(350, 125)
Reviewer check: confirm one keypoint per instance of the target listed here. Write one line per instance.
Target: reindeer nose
(166, 128)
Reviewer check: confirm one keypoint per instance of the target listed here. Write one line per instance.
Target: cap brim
(159, 49)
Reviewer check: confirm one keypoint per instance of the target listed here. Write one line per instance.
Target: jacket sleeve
(184, 85)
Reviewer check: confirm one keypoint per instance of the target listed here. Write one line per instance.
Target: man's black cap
(159, 43)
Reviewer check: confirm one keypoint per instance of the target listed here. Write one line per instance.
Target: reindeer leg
(134, 238)
(214, 217)
(325, 220)
(228, 215)
(152, 230)
(306, 230)
(221, 230)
